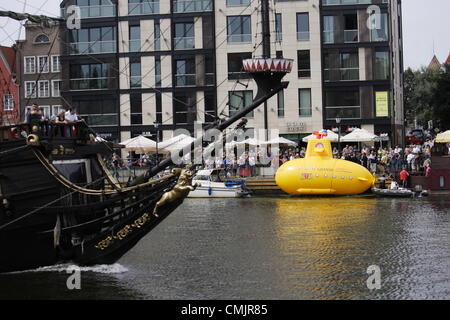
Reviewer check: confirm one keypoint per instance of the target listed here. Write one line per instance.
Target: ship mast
(265, 21)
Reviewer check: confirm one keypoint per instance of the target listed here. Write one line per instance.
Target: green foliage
(427, 96)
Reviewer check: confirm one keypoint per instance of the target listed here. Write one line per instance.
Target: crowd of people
(37, 113)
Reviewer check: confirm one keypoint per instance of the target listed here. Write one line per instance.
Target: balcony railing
(343, 74)
(345, 2)
(93, 47)
(143, 8)
(185, 80)
(87, 12)
(351, 35)
(100, 119)
(184, 43)
(89, 83)
(303, 36)
(192, 6)
(237, 38)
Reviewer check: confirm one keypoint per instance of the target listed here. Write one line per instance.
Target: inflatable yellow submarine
(319, 174)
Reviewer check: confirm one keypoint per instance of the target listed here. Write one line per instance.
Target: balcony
(192, 6)
(239, 38)
(143, 8)
(185, 80)
(341, 74)
(93, 47)
(345, 2)
(98, 11)
(350, 36)
(303, 36)
(89, 84)
(184, 43)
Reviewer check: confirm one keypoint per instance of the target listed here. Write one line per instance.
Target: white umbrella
(281, 141)
(139, 144)
(359, 135)
(251, 142)
(333, 137)
(443, 137)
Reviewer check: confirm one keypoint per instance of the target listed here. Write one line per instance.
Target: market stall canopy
(333, 137)
(359, 135)
(176, 143)
(443, 137)
(139, 144)
(251, 142)
(281, 142)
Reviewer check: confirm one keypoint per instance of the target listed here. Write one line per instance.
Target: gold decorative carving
(61, 150)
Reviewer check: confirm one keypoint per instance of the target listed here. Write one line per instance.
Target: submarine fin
(363, 179)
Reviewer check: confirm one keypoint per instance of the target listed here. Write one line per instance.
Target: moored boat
(211, 185)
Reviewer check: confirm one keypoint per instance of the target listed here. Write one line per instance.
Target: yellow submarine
(320, 174)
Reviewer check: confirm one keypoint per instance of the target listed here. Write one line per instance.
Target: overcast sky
(424, 23)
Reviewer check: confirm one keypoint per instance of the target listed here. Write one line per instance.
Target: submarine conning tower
(267, 72)
(319, 147)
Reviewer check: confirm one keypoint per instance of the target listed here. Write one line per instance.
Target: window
(135, 39)
(184, 36)
(185, 108)
(304, 64)
(143, 6)
(8, 102)
(56, 64)
(192, 5)
(43, 89)
(43, 64)
(380, 34)
(30, 89)
(136, 108)
(185, 72)
(30, 65)
(93, 40)
(237, 2)
(278, 27)
(280, 100)
(157, 32)
(56, 88)
(351, 27)
(46, 110)
(382, 66)
(96, 8)
(343, 66)
(41, 39)
(89, 76)
(345, 104)
(303, 26)
(98, 112)
(235, 67)
(239, 29)
(56, 110)
(304, 96)
(329, 27)
(135, 75)
(238, 100)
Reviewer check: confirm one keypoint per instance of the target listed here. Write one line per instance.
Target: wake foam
(115, 268)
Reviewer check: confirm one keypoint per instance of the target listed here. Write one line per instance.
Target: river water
(271, 248)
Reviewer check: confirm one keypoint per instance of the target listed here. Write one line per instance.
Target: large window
(157, 32)
(278, 27)
(30, 89)
(304, 97)
(382, 66)
(56, 88)
(44, 89)
(303, 26)
(184, 36)
(280, 103)
(381, 33)
(239, 29)
(56, 64)
(143, 6)
(89, 76)
(329, 28)
(235, 67)
(43, 64)
(185, 72)
(304, 64)
(157, 71)
(185, 108)
(96, 8)
(136, 108)
(343, 66)
(180, 6)
(238, 100)
(342, 104)
(135, 39)
(98, 112)
(93, 40)
(351, 27)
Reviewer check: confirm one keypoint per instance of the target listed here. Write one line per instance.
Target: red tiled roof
(9, 53)
(447, 62)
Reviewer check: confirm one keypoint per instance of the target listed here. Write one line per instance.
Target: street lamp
(156, 124)
(338, 122)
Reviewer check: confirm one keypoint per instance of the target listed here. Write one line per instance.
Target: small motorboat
(212, 184)
(399, 193)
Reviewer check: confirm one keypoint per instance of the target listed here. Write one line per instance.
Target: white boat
(212, 186)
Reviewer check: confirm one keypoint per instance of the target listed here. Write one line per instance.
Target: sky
(425, 27)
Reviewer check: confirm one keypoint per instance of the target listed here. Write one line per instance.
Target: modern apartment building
(39, 69)
(135, 63)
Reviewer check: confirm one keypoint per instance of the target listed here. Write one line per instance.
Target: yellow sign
(382, 104)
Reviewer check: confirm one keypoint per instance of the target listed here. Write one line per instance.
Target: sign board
(296, 126)
(382, 104)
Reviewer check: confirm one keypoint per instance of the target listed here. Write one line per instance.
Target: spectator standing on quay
(404, 178)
